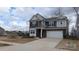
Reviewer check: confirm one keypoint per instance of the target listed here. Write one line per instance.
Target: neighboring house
(54, 27)
(11, 33)
(2, 32)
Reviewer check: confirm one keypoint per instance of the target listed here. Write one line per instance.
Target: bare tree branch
(58, 12)
(76, 10)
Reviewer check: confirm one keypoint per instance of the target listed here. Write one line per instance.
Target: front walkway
(37, 45)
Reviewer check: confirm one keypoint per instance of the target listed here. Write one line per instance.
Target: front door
(38, 33)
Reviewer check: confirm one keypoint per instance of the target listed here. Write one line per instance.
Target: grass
(69, 44)
(17, 39)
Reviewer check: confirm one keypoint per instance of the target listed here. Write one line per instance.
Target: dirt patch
(3, 44)
(69, 44)
(17, 39)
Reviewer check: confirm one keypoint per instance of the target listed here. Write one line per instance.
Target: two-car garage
(55, 34)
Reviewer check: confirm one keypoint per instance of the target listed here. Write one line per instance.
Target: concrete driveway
(37, 45)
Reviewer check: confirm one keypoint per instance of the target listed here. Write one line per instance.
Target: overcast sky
(17, 18)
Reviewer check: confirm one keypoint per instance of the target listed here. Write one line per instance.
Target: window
(61, 22)
(47, 23)
(51, 23)
(55, 23)
(32, 31)
(33, 23)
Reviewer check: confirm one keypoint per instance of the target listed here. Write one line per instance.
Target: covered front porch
(41, 33)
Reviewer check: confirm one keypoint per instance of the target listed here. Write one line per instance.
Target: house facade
(54, 27)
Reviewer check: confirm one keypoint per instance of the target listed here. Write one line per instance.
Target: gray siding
(55, 23)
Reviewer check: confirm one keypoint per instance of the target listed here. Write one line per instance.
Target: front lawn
(17, 39)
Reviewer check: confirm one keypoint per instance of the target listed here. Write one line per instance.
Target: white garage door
(55, 34)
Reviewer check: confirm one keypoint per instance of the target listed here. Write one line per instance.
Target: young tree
(73, 32)
(76, 10)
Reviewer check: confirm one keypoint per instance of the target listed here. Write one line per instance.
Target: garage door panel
(55, 34)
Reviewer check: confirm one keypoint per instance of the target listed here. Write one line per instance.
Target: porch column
(41, 33)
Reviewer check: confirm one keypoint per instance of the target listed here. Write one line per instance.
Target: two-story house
(54, 27)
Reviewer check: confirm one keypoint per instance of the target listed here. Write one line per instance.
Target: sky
(17, 18)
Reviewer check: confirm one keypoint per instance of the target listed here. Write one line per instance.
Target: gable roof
(1, 28)
(58, 17)
(37, 17)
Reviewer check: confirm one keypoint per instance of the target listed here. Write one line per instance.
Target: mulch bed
(69, 44)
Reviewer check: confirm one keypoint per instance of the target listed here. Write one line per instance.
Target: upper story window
(51, 23)
(32, 23)
(61, 23)
(47, 23)
(55, 22)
